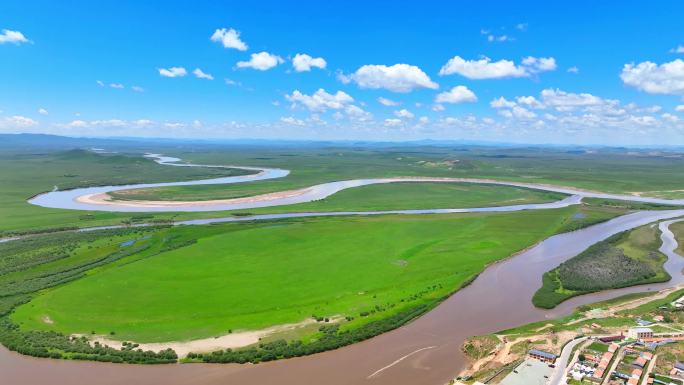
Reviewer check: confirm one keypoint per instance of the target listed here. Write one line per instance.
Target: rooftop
(599, 373)
(542, 353)
(530, 372)
(641, 361)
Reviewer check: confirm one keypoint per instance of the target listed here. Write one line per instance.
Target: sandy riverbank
(228, 341)
(106, 199)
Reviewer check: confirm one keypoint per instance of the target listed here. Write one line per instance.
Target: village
(637, 343)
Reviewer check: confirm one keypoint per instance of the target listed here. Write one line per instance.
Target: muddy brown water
(426, 351)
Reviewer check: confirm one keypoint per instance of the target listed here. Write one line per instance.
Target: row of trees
(57, 345)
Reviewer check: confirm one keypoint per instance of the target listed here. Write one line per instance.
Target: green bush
(57, 345)
(602, 266)
(330, 338)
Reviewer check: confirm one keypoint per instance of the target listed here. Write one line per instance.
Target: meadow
(32, 264)
(410, 195)
(610, 170)
(250, 276)
(369, 274)
(678, 231)
(59, 165)
(23, 175)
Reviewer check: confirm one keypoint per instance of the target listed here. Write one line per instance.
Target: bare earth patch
(507, 352)
(106, 199)
(228, 341)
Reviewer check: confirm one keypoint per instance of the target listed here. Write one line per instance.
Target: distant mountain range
(19, 142)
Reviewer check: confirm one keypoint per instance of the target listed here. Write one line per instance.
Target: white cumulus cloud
(670, 118)
(387, 102)
(458, 94)
(229, 38)
(116, 85)
(530, 101)
(678, 49)
(570, 113)
(485, 68)
(320, 100)
(303, 62)
(666, 78)
(404, 113)
(539, 64)
(261, 61)
(292, 121)
(43, 111)
(202, 75)
(499, 38)
(574, 107)
(392, 122)
(565, 100)
(482, 69)
(20, 121)
(357, 113)
(520, 113)
(501, 102)
(14, 37)
(397, 78)
(173, 72)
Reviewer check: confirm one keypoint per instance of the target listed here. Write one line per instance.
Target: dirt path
(610, 311)
(503, 352)
(501, 356)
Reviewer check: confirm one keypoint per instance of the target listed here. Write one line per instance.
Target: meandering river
(426, 351)
(95, 198)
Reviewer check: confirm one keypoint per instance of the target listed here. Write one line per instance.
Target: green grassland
(409, 195)
(252, 276)
(23, 175)
(626, 259)
(33, 264)
(678, 231)
(376, 273)
(609, 170)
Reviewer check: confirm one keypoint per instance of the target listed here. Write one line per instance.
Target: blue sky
(564, 72)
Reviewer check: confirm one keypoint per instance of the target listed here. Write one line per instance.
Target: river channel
(425, 351)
